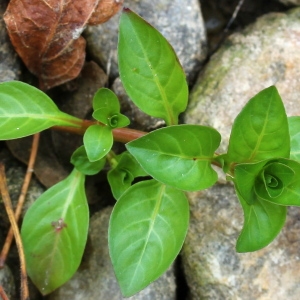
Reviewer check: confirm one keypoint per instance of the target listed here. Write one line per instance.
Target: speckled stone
(15, 172)
(95, 278)
(214, 270)
(180, 22)
(290, 2)
(9, 61)
(264, 54)
(138, 119)
(7, 282)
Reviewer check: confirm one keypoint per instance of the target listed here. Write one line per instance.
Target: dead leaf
(104, 11)
(47, 169)
(47, 34)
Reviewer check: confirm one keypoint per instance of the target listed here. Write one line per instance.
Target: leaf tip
(126, 10)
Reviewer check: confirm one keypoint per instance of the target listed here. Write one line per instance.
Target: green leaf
(25, 110)
(81, 162)
(245, 176)
(287, 173)
(105, 98)
(107, 109)
(147, 228)
(97, 141)
(262, 223)
(294, 126)
(111, 119)
(261, 130)
(121, 177)
(276, 181)
(54, 233)
(179, 155)
(149, 69)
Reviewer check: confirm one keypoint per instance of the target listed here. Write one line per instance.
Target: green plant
(150, 220)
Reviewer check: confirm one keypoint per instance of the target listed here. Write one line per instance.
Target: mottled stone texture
(7, 282)
(213, 268)
(264, 54)
(290, 2)
(179, 21)
(9, 61)
(95, 278)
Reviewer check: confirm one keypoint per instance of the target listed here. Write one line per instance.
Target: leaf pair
(150, 220)
(98, 139)
(121, 176)
(265, 179)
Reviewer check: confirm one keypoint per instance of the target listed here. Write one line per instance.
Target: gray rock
(264, 54)
(181, 23)
(9, 61)
(15, 172)
(138, 119)
(95, 278)
(7, 282)
(290, 2)
(213, 268)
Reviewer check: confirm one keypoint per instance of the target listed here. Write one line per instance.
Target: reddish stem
(123, 135)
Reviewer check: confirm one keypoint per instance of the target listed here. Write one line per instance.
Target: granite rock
(7, 282)
(290, 2)
(9, 61)
(15, 172)
(95, 278)
(214, 270)
(181, 24)
(265, 53)
(138, 119)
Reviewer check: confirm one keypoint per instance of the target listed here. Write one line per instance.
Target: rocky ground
(225, 67)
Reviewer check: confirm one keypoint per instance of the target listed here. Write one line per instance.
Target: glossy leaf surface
(81, 162)
(263, 221)
(149, 69)
(276, 181)
(147, 229)
(294, 126)
(97, 141)
(25, 110)
(179, 156)
(107, 109)
(121, 177)
(54, 233)
(105, 98)
(261, 130)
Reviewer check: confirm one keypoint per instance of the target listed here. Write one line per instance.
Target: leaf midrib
(171, 119)
(262, 134)
(153, 219)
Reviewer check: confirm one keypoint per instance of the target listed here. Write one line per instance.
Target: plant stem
(123, 135)
(11, 216)
(3, 295)
(21, 200)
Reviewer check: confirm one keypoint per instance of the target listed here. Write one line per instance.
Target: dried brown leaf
(47, 34)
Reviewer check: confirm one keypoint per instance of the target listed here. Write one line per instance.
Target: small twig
(3, 294)
(225, 31)
(234, 15)
(8, 206)
(21, 200)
